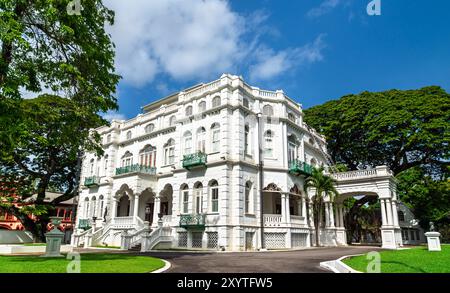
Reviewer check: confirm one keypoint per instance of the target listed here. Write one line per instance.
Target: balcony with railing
(91, 181)
(193, 221)
(297, 167)
(194, 160)
(136, 168)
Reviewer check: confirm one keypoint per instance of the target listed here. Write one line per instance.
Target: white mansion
(218, 166)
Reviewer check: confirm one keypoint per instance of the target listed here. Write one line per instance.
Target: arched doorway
(147, 205)
(123, 206)
(166, 197)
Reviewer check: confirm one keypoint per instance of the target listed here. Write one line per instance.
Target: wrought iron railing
(84, 224)
(136, 168)
(298, 167)
(91, 181)
(192, 221)
(195, 159)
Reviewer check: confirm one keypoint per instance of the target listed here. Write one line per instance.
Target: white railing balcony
(123, 222)
(362, 174)
(271, 220)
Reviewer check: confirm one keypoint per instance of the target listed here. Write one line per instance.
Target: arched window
(149, 128)
(245, 103)
(169, 152)
(187, 143)
(172, 121)
(198, 198)
(268, 110)
(201, 139)
(292, 148)
(188, 110)
(102, 204)
(247, 199)
(246, 139)
(129, 134)
(214, 194)
(86, 208)
(202, 106)
(185, 199)
(91, 167)
(215, 137)
(105, 165)
(94, 207)
(401, 216)
(268, 144)
(147, 156)
(108, 138)
(291, 117)
(216, 102)
(127, 159)
(313, 162)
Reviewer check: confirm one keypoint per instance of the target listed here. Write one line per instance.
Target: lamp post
(261, 181)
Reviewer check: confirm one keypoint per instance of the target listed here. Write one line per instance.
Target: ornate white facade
(186, 174)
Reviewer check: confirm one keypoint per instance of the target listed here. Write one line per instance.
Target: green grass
(89, 263)
(34, 244)
(104, 246)
(414, 260)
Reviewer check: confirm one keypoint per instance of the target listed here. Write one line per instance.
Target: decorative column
(311, 215)
(114, 208)
(383, 213)
(389, 211)
(327, 215)
(156, 210)
(395, 213)
(300, 207)
(287, 209)
(331, 211)
(135, 208)
(304, 209)
(283, 207)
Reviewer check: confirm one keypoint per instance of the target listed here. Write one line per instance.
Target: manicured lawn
(34, 244)
(110, 247)
(414, 260)
(90, 263)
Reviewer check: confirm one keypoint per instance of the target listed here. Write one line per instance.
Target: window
(169, 152)
(108, 138)
(248, 189)
(86, 208)
(100, 210)
(149, 128)
(91, 167)
(292, 148)
(246, 138)
(105, 167)
(401, 216)
(147, 156)
(216, 102)
(187, 143)
(201, 137)
(268, 110)
(172, 121)
(185, 199)
(189, 111)
(198, 198)
(214, 189)
(245, 103)
(94, 207)
(129, 135)
(313, 162)
(268, 144)
(291, 117)
(127, 159)
(202, 106)
(215, 137)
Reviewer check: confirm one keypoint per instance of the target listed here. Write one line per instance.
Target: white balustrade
(378, 171)
(272, 220)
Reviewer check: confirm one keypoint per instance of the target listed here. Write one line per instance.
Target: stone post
(135, 208)
(283, 208)
(287, 209)
(156, 210)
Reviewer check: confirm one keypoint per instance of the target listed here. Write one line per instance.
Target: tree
(324, 188)
(43, 48)
(402, 129)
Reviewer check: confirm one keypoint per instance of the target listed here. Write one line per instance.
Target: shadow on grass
(401, 264)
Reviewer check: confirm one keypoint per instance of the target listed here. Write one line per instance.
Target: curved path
(299, 261)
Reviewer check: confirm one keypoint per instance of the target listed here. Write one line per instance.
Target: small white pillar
(331, 210)
(304, 208)
(287, 209)
(434, 243)
(135, 208)
(283, 207)
(389, 212)
(327, 215)
(383, 213)
(156, 210)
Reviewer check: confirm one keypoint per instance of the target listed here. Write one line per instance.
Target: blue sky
(314, 50)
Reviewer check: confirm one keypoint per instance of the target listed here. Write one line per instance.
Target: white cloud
(324, 8)
(185, 39)
(110, 115)
(271, 64)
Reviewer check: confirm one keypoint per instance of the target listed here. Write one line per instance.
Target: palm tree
(324, 186)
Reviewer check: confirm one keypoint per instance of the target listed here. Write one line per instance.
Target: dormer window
(149, 128)
(216, 102)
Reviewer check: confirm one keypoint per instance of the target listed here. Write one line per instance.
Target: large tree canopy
(402, 129)
(43, 48)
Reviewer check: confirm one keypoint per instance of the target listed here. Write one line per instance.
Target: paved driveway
(299, 261)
